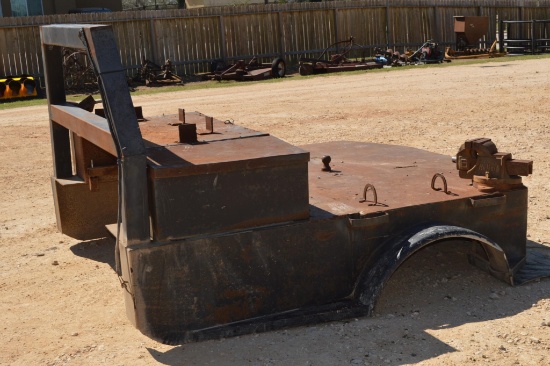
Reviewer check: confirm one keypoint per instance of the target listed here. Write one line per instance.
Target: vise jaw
(490, 170)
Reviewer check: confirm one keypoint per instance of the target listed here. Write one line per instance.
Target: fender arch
(395, 252)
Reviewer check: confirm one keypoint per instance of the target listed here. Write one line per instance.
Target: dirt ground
(61, 302)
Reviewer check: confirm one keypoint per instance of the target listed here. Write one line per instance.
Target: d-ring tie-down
(440, 175)
(371, 188)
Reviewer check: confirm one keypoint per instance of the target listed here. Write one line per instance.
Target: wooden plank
(3, 52)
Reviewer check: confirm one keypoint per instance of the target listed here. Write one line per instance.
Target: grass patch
(21, 103)
(9, 104)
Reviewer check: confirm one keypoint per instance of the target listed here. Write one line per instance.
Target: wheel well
(395, 252)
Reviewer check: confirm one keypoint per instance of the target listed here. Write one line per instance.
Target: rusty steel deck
(401, 176)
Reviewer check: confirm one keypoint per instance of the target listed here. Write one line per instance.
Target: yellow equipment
(23, 86)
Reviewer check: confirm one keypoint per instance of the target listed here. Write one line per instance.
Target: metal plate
(401, 175)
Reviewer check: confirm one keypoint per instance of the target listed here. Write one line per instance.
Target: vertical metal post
(99, 41)
(60, 137)
(126, 135)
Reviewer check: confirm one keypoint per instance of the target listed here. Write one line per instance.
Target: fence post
(281, 42)
(438, 35)
(336, 37)
(388, 35)
(521, 25)
(223, 46)
(154, 43)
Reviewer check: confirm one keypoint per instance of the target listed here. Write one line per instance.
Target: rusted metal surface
(163, 130)
(222, 178)
(138, 110)
(337, 62)
(249, 233)
(443, 180)
(469, 31)
(152, 74)
(246, 71)
(490, 170)
(84, 123)
(402, 177)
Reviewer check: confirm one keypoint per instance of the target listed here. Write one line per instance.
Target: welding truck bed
(222, 230)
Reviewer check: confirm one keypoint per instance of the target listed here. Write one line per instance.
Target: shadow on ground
(99, 250)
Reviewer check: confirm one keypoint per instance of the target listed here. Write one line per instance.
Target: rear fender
(374, 278)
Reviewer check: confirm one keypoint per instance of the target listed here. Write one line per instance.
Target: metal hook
(367, 188)
(440, 175)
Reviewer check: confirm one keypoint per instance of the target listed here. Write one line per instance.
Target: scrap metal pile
(390, 57)
(428, 53)
(153, 75)
(221, 230)
(246, 71)
(337, 62)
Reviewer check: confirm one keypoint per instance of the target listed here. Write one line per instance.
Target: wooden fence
(191, 38)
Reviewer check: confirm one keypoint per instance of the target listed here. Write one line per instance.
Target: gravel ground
(61, 303)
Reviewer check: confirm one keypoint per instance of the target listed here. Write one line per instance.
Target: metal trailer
(252, 70)
(154, 75)
(223, 231)
(338, 62)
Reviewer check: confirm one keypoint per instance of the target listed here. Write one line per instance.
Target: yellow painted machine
(23, 86)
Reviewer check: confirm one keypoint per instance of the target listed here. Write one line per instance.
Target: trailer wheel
(278, 68)
(305, 69)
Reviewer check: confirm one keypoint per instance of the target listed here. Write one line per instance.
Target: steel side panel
(209, 203)
(188, 285)
(81, 213)
(505, 224)
(199, 283)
